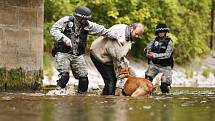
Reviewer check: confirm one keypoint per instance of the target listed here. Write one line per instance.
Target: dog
(135, 86)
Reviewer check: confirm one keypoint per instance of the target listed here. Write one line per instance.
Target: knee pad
(164, 87)
(63, 79)
(83, 84)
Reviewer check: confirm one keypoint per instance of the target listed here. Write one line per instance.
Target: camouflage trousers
(153, 70)
(77, 64)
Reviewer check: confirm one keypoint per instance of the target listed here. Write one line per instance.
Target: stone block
(19, 39)
(11, 2)
(27, 60)
(1, 41)
(40, 18)
(9, 16)
(23, 3)
(31, 3)
(1, 1)
(9, 59)
(36, 37)
(1, 37)
(27, 18)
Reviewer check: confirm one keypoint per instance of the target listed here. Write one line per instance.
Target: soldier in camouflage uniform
(160, 55)
(71, 32)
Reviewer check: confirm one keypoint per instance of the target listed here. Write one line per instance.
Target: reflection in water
(184, 104)
(84, 109)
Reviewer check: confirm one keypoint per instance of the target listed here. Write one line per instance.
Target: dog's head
(123, 72)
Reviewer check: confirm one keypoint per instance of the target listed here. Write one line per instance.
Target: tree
(188, 21)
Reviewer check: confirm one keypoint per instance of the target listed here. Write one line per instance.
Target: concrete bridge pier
(21, 44)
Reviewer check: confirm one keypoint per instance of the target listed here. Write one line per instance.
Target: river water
(183, 104)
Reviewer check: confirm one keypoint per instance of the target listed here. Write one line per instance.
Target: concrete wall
(21, 38)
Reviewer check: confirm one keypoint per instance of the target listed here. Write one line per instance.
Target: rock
(69, 90)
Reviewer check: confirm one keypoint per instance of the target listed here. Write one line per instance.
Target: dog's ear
(123, 72)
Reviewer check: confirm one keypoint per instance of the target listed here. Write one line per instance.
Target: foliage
(20, 80)
(189, 73)
(188, 20)
(47, 66)
(206, 72)
(213, 71)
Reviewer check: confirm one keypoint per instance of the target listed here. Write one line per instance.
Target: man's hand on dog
(121, 41)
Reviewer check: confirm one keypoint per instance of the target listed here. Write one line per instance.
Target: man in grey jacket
(108, 55)
(71, 32)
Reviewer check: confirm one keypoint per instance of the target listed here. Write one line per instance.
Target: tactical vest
(161, 48)
(78, 40)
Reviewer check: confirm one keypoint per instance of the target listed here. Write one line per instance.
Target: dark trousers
(108, 74)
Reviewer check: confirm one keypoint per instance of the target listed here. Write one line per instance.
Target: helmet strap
(161, 37)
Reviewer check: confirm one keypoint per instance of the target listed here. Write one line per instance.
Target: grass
(47, 65)
(189, 72)
(206, 72)
(213, 71)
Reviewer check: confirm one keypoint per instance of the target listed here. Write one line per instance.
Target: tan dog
(135, 86)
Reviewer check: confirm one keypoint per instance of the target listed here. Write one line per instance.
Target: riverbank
(200, 73)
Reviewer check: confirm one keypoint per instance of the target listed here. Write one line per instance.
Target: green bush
(206, 72)
(47, 65)
(189, 73)
(213, 71)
